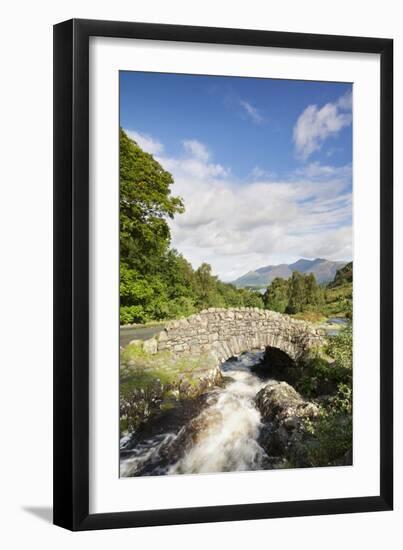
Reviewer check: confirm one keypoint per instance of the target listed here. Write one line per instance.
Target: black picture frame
(71, 274)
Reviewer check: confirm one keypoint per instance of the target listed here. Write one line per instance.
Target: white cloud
(258, 173)
(345, 102)
(315, 125)
(252, 112)
(238, 226)
(195, 164)
(316, 170)
(146, 142)
(196, 149)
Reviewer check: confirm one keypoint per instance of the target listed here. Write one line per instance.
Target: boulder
(150, 345)
(278, 401)
(284, 412)
(138, 343)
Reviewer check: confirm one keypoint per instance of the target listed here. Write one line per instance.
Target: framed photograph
(223, 260)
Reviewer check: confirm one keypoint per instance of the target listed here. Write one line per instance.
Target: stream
(218, 433)
(335, 324)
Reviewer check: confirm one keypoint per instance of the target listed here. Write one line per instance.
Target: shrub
(132, 314)
(332, 430)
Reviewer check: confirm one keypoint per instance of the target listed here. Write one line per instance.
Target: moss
(167, 405)
(150, 383)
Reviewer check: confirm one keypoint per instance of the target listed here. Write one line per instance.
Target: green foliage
(339, 301)
(252, 299)
(299, 293)
(332, 434)
(205, 284)
(339, 294)
(310, 315)
(132, 314)
(332, 429)
(343, 276)
(277, 295)
(145, 203)
(297, 299)
(340, 347)
(304, 298)
(304, 293)
(314, 294)
(326, 369)
(156, 282)
(151, 383)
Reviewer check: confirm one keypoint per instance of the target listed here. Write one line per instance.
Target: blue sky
(263, 166)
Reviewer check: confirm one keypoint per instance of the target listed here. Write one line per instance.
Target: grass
(137, 365)
(338, 301)
(151, 383)
(311, 316)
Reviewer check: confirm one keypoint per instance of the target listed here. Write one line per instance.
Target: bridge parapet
(226, 333)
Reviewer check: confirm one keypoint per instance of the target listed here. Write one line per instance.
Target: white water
(227, 440)
(227, 429)
(145, 453)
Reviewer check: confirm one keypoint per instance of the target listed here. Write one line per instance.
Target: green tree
(277, 295)
(253, 299)
(297, 299)
(156, 282)
(314, 295)
(206, 284)
(145, 203)
(343, 275)
(231, 295)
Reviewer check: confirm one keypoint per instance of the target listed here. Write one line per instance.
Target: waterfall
(229, 427)
(223, 437)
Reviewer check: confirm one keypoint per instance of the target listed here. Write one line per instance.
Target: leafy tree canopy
(156, 282)
(145, 203)
(294, 295)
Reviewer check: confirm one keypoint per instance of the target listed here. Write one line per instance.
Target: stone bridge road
(138, 333)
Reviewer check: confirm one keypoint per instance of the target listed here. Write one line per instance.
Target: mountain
(343, 275)
(324, 271)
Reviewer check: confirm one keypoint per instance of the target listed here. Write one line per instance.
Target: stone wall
(228, 332)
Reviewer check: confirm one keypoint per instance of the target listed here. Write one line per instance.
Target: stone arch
(225, 333)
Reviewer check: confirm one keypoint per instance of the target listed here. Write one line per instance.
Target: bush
(332, 433)
(132, 314)
(326, 369)
(332, 430)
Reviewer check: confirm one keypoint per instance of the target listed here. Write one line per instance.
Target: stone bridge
(227, 333)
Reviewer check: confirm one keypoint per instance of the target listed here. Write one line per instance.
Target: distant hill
(343, 275)
(324, 271)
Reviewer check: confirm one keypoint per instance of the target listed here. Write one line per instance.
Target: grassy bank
(337, 302)
(152, 383)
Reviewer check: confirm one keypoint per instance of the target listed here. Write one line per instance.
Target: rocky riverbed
(243, 417)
